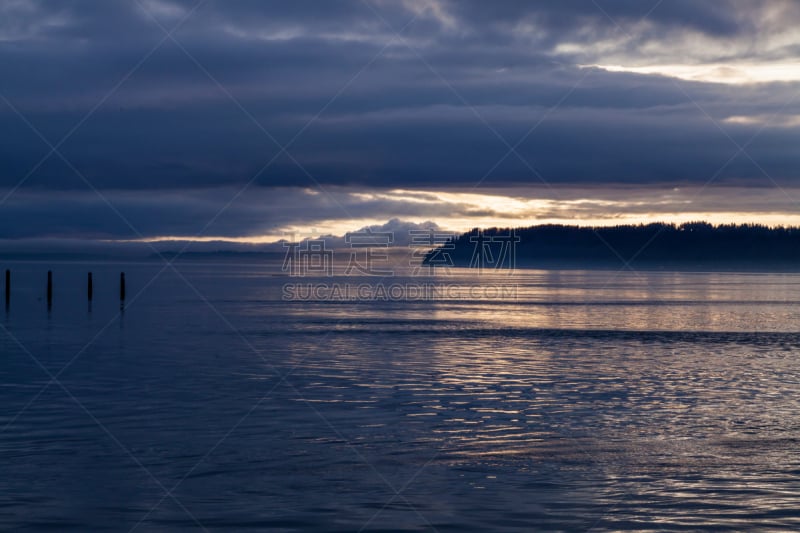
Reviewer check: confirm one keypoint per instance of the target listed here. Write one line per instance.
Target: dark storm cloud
(427, 113)
(140, 214)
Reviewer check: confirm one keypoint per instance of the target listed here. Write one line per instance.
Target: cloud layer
(413, 94)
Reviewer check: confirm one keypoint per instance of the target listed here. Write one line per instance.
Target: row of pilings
(89, 287)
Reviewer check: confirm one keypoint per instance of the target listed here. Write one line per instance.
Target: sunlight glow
(727, 73)
(783, 121)
(461, 211)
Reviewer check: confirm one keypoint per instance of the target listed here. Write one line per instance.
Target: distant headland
(698, 243)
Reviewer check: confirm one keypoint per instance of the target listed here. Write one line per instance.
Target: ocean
(228, 396)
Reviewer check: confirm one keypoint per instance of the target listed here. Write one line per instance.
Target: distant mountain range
(695, 242)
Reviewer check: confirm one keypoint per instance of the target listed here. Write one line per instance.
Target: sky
(254, 120)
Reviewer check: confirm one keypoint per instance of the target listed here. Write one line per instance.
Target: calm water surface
(575, 400)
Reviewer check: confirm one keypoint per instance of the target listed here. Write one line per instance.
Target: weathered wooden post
(49, 288)
(8, 287)
(122, 287)
(90, 288)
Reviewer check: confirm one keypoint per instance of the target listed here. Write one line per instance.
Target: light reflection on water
(634, 401)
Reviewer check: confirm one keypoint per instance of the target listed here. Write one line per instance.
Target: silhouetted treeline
(697, 242)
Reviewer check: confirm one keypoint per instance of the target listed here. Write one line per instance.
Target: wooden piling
(8, 287)
(122, 287)
(90, 287)
(49, 288)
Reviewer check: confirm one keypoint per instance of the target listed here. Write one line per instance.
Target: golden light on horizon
(725, 73)
(461, 211)
(339, 228)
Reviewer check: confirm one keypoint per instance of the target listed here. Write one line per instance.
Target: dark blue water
(578, 400)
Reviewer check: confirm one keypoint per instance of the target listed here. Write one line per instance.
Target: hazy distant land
(691, 245)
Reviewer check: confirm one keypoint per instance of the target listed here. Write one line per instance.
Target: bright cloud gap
(459, 211)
